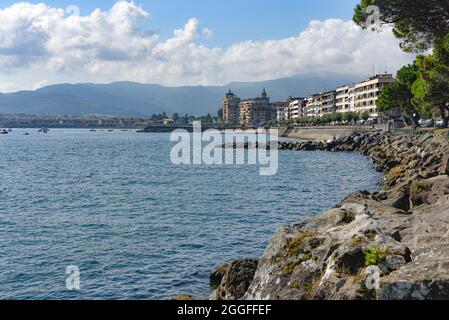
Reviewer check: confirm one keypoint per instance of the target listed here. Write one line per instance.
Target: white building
(282, 111)
(296, 109)
(327, 103)
(345, 99)
(367, 93)
(313, 106)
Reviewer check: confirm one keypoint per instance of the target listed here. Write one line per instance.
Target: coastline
(401, 231)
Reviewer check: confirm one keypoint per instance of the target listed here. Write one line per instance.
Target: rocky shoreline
(392, 244)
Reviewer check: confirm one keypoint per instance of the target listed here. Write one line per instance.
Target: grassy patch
(417, 187)
(359, 278)
(295, 246)
(295, 285)
(346, 217)
(374, 256)
(396, 171)
(292, 266)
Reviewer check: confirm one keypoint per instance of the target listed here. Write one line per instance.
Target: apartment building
(367, 93)
(297, 108)
(230, 110)
(327, 103)
(256, 111)
(281, 110)
(313, 105)
(345, 98)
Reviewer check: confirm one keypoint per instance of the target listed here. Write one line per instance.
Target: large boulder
(400, 235)
(236, 280)
(444, 169)
(327, 256)
(217, 275)
(425, 192)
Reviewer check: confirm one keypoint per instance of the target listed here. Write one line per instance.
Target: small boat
(110, 130)
(26, 134)
(92, 130)
(4, 131)
(44, 130)
(10, 130)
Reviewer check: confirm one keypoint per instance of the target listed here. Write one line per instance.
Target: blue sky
(185, 42)
(231, 20)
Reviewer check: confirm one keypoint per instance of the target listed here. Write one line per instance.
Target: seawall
(319, 133)
(392, 244)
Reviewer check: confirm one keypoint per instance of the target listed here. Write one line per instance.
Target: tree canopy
(399, 94)
(431, 89)
(420, 24)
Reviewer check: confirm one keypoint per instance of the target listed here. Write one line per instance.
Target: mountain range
(136, 99)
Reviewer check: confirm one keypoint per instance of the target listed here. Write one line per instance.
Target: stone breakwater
(402, 233)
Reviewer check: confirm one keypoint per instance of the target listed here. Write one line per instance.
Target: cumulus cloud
(7, 87)
(107, 46)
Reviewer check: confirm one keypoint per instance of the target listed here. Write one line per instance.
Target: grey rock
(237, 279)
(403, 230)
(217, 275)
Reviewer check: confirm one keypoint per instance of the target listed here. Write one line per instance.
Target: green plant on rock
(395, 172)
(295, 246)
(292, 266)
(296, 285)
(346, 217)
(417, 187)
(374, 256)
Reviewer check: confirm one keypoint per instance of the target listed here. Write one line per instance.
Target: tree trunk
(444, 116)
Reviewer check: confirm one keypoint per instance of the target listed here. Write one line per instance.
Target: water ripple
(137, 226)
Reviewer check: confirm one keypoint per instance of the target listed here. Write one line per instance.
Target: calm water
(137, 226)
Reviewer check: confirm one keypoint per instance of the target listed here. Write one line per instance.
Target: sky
(180, 42)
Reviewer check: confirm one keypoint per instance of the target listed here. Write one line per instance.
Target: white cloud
(41, 84)
(7, 87)
(107, 46)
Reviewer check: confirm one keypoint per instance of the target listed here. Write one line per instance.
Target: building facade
(281, 110)
(345, 98)
(327, 103)
(313, 106)
(359, 97)
(230, 110)
(367, 94)
(297, 108)
(256, 111)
